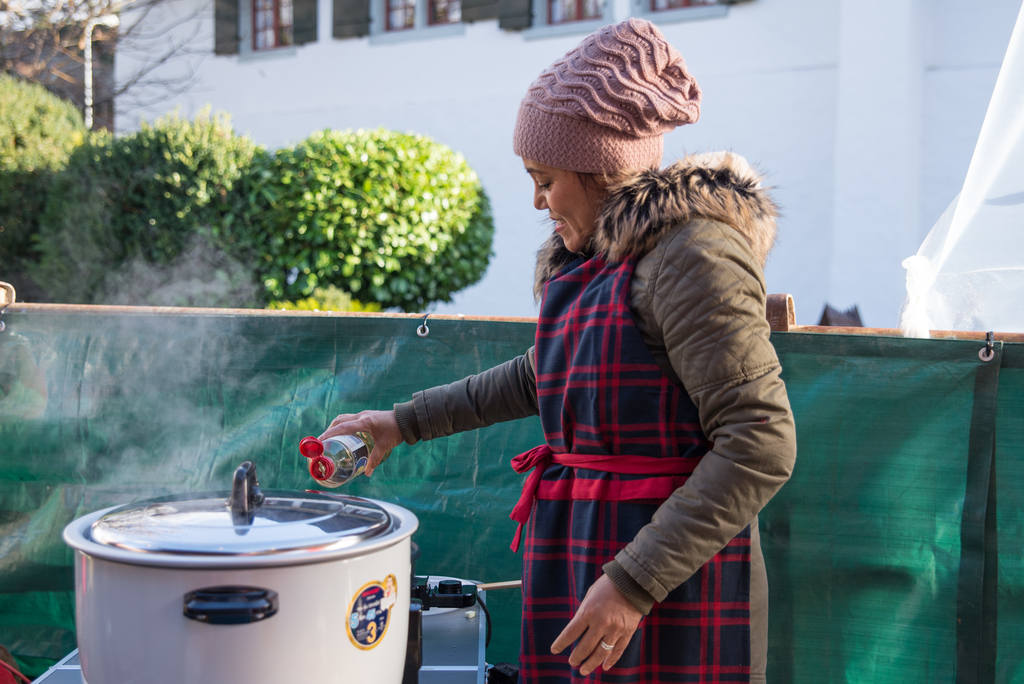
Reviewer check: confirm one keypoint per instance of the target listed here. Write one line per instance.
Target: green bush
(38, 132)
(186, 213)
(392, 218)
(131, 206)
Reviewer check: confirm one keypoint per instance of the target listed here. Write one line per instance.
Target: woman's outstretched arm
(499, 394)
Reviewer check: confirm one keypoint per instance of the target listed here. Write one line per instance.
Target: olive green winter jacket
(700, 230)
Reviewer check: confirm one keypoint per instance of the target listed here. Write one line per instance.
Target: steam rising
(202, 275)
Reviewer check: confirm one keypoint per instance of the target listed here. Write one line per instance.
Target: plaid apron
(620, 438)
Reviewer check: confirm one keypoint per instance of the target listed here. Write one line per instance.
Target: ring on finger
(607, 647)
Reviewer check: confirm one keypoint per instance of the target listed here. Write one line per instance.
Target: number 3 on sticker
(370, 612)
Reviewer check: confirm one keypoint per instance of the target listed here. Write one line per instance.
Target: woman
(667, 425)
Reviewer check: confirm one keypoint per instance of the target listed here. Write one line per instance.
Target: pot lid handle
(245, 494)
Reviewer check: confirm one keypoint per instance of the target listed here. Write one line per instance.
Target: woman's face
(567, 202)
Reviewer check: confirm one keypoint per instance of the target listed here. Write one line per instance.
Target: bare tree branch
(43, 40)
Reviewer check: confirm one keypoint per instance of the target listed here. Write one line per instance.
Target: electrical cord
(487, 614)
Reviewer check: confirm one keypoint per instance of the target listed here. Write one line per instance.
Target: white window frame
(542, 29)
(642, 9)
(276, 10)
(448, 23)
(246, 51)
(421, 30)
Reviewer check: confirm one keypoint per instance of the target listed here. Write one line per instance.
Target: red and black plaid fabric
(621, 437)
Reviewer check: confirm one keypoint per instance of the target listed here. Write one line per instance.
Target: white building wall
(863, 112)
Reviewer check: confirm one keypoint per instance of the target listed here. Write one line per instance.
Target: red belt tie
(540, 457)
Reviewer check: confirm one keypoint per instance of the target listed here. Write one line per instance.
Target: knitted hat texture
(606, 105)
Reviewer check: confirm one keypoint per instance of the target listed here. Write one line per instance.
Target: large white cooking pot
(243, 587)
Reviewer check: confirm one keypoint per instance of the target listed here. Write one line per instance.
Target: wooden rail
(896, 332)
(781, 314)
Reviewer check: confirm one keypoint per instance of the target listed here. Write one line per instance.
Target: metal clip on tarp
(986, 354)
(423, 330)
(9, 295)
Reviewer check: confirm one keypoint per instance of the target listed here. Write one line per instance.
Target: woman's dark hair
(596, 184)
(593, 185)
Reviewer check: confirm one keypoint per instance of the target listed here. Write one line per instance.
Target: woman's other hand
(382, 426)
(604, 616)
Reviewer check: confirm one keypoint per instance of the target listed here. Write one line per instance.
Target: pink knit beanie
(606, 105)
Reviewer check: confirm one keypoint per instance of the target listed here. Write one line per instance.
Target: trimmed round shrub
(38, 132)
(391, 218)
(125, 209)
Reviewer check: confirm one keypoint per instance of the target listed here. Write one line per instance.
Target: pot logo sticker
(370, 612)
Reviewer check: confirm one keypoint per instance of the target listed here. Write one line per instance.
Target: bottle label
(360, 466)
(370, 613)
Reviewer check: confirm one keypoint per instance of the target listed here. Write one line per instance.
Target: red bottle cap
(311, 447)
(321, 468)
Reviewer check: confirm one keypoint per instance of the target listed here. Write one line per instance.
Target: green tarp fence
(894, 553)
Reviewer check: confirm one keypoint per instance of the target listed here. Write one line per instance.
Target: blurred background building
(863, 113)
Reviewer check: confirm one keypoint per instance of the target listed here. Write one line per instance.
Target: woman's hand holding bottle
(381, 425)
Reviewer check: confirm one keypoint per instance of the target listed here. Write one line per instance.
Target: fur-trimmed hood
(638, 211)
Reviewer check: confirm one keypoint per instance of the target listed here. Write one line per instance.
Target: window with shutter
(667, 11)
(569, 17)
(400, 15)
(661, 5)
(396, 21)
(444, 12)
(562, 11)
(272, 23)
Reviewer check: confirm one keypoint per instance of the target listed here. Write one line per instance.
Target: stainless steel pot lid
(243, 522)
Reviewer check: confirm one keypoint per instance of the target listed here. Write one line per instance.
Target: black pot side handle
(230, 605)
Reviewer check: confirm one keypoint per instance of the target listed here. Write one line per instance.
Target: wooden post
(7, 294)
(781, 312)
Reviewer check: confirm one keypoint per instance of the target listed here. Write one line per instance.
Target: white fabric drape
(969, 272)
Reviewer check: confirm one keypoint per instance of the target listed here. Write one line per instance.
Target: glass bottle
(336, 460)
